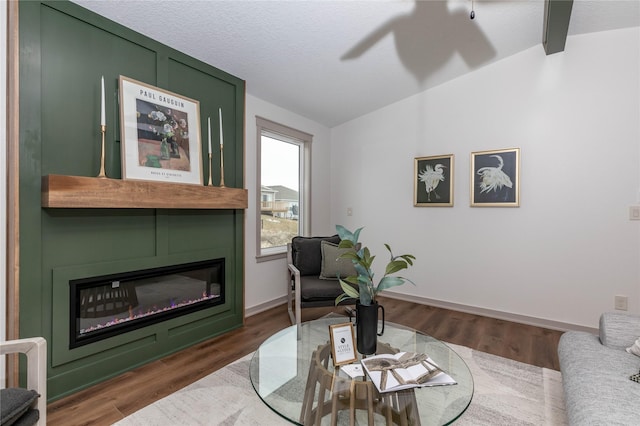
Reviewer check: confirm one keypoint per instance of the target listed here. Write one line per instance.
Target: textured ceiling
(332, 61)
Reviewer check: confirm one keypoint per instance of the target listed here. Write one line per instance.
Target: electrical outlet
(620, 303)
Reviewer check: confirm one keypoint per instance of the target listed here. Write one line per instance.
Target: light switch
(621, 303)
(634, 213)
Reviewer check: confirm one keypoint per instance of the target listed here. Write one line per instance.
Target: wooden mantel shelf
(60, 191)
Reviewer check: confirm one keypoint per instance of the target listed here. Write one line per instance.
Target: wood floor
(114, 399)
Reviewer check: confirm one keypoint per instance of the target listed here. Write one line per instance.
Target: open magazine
(404, 370)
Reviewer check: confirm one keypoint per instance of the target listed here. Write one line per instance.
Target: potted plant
(363, 289)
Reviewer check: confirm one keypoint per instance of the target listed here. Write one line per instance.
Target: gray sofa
(595, 373)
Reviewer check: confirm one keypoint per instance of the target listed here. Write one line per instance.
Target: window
(283, 179)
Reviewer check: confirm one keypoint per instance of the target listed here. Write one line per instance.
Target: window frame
(287, 134)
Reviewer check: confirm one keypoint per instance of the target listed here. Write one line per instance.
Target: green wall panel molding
(71, 70)
(221, 95)
(70, 380)
(64, 50)
(75, 236)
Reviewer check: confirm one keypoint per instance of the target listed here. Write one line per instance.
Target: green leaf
(346, 244)
(409, 258)
(353, 279)
(366, 295)
(343, 232)
(360, 269)
(395, 266)
(388, 282)
(366, 299)
(408, 280)
(356, 235)
(366, 254)
(366, 259)
(363, 280)
(349, 290)
(341, 298)
(349, 254)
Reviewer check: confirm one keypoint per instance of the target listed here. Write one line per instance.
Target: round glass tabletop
(292, 371)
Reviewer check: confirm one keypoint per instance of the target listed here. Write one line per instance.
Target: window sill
(272, 256)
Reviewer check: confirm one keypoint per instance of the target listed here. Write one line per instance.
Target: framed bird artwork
(433, 181)
(495, 178)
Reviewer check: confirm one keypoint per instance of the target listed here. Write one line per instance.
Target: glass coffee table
(293, 374)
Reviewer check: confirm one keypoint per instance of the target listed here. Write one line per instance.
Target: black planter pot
(367, 327)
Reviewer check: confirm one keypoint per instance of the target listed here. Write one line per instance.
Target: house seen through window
(283, 184)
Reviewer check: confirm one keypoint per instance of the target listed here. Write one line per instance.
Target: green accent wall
(64, 50)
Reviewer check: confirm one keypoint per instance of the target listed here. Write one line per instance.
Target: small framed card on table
(343, 344)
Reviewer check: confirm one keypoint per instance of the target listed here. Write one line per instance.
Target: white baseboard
(265, 306)
(522, 319)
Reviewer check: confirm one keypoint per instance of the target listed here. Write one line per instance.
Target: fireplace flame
(141, 313)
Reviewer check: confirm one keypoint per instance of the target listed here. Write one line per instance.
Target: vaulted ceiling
(332, 61)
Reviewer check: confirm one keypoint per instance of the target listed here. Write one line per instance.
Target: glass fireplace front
(108, 305)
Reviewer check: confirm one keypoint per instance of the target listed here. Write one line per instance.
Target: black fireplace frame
(75, 286)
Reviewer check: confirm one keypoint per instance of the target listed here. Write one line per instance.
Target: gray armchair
(313, 269)
(27, 406)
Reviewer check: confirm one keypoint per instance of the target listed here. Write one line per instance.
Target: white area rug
(506, 393)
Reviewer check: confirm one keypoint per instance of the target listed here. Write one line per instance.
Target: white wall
(265, 282)
(3, 183)
(570, 247)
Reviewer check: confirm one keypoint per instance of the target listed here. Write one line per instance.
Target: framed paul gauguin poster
(160, 134)
(495, 178)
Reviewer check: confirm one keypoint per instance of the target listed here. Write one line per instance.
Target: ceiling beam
(557, 14)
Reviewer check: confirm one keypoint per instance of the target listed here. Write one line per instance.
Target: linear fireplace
(108, 305)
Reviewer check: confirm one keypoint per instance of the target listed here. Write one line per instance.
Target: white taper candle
(103, 120)
(221, 137)
(209, 132)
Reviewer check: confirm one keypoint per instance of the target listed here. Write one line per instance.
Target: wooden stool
(344, 393)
